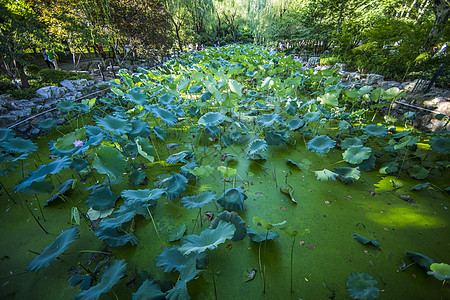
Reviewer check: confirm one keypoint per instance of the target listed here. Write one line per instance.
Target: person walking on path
(52, 58)
(47, 60)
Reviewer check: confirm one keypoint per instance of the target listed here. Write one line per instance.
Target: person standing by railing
(52, 58)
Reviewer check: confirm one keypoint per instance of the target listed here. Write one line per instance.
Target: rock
(123, 70)
(68, 84)
(52, 91)
(34, 131)
(388, 84)
(312, 62)
(339, 66)
(374, 79)
(353, 76)
(23, 112)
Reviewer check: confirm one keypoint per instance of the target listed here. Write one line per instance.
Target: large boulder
(374, 79)
(48, 92)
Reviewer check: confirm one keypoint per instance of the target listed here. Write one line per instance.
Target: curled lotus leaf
(48, 124)
(420, 186)
(348, 175)
(363, 240)
(440, 144)
(356, 154)
(211, 119)
(420, 259)
(109, 161)
(177, 232)
(18, 145)
(115, 237)
(160, 133)
(256, 147)
(187, 169)
(321, 144)
(362, 286)
(180, 157)
(375, 130)
(236, 220)
(172, 259)
(262, 236)
(367, 164)
(117, 220)
(389, 167)
(149, 290)
(174, 186)
(260, 105)
(179, 291)
(64, 187)
(267, 120)
(232, 199)
(137, 96)
(116, 125)
(348, 142)
(295, 124)
(326, 175)
(101, 198)
(273, 138)
(198, 201)
(51, 252)
(165, 115)
(144, 148)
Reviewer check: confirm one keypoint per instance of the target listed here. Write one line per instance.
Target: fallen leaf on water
(385, 229)
(302, 243)
(283, 208)
(349, 197)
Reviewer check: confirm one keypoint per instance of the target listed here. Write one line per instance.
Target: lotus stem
(156, 151)
(127, 233)
(154, 225)
(264, 262)
(40, 208)
(213, 278)
(32, 214)
(7, 193)
(292, 259)
(403, 162)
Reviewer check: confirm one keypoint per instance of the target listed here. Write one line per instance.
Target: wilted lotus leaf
(375, 130)
(50, 253)
(420, 259)
(42, 187)
(208, 238)
(321, 144)
(362, 286)
(67, 141)
(179, 157)
(165, 115)
(211, 119)
(348, 142)
(198, 201)
(295, 124)
(273, 138)
(48, 124)
(418, 172)
(363, 240)
(85, 284)
(39, 175)
(109, 161)
(312, 116)
(256, 147)
(232, 199)
(356, 154)
(113, 273)
(115, 237)
(174, 186)
(236, 220)
(116, 125)
(265, 224)
(149, 290)
(440, 144)
(64, 187)
(261, 237)
(440, 271)
(101, 198)
(326, 175)
(267, 120)
(6, 134)
(348, 175)
(137, 96)
(419, 186)
(18, 145)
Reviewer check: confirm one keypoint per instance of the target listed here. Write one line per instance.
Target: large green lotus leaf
(363, 240)
(376, 94)
(6, 134)
(198, 201)
(145, 195)
(42, 187)
(326, 175)
(176, 232)
(329, 99)
(66, 105)
(256, 147)
(440, 271)
(261, 237)
(116, 125)
(208, 238)
(64, 187)
(202, 171)
(356, 154)
(418, 172)
(180, 157)
(145, 149)
(39, 175)
(440, 144)
(149, 290)
(312, 116)
(265, 224)
(362, 286)
(101, 198)
(174, 186)
(348, 175)
(109, 161)
(226, 171)
(178, 292)
(211, 119)
(389, 167)
(139, 129)
(232, 199)
(48, 124)
(393, 94)
(273, 138)
(140, 202)
(66, 142)
(166, 99)
(236, 220)
(295, 124)
(420, 259)
(375, 130)
(165, 115)
(113, 273)
(344, 125)
(137, 96)
(18, 145)
(321, 144)
(50, 253)
(348, 142)
(235, 86)
(115, 237)
(117, 220)
(367, 164)
(268, 120)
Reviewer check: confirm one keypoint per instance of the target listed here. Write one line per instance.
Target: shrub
(6, 86)
(329, 61)
(24, 93)
(31, 70)
(54, 77)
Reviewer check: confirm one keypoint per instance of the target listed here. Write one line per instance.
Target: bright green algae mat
(333, 209)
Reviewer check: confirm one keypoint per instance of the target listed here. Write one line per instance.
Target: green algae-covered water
(327, 213)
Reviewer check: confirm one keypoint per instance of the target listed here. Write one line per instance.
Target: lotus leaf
(256, 147)
(115, 237)
(137, 96)
(235, 136)
(348, 142)
(389, 168)
(182, 156)
(235, 86)
(348, 175)
(326, 175)
(145, 195)
(64, 187)
(117, 126)
(232, 199)
(198, 201)
(101, 198)
(66, 105)
(145, 149)
(295, 124)
(18, 145)
(178, 292)
(375, 130)
(321, 144)
(261, 237)
(267, 120)
(392, 94)
(312, 116)
(226, 171)
(356, 154)
(420, 259)
(365, 241)
(109, 161)
(173, 259)
(344, 125)
(440, 271)
(42, 187)
(236, 220)
(329, 99)
(211, 119)
(273, 138)
(440, 144)
(208, 239)
(67, 141)
(160, 133)
(139, 129)
(6, 134)
(85, 281)
(186, 169)
(419, 186)
(39, 175)
(48, 124)
(202, 171)
(174, 186)
(166, 99)
(78, 164)
(388, 183)
(177, 232)
(165, 115)
(242, 127)
(267, 225)
(149, 290)
(117, 220)
(362, 286)
(51, 252)
(418, 172)
(112, 274)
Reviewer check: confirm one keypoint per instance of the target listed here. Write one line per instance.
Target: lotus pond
(229, 173)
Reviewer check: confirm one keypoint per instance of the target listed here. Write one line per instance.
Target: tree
(441, 9)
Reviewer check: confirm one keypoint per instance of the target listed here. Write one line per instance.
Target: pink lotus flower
(78, 143)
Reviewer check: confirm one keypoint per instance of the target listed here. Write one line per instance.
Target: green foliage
(54, 77)
(31, 70)
(330, 61)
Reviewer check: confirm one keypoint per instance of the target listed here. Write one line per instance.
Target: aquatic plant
(362, 286)
(149, 289)
(356, 154)
(236, 220)
(232, 199)
(363, 240)
(321, 144)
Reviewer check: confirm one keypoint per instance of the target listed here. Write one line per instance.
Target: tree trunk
(441, 11)
(23, 77)
(422, 11)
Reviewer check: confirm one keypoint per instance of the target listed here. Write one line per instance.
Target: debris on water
(172, 146)
(407, 199)
(283, 208)
(251, 275)
(229, 246)
(210, 215)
